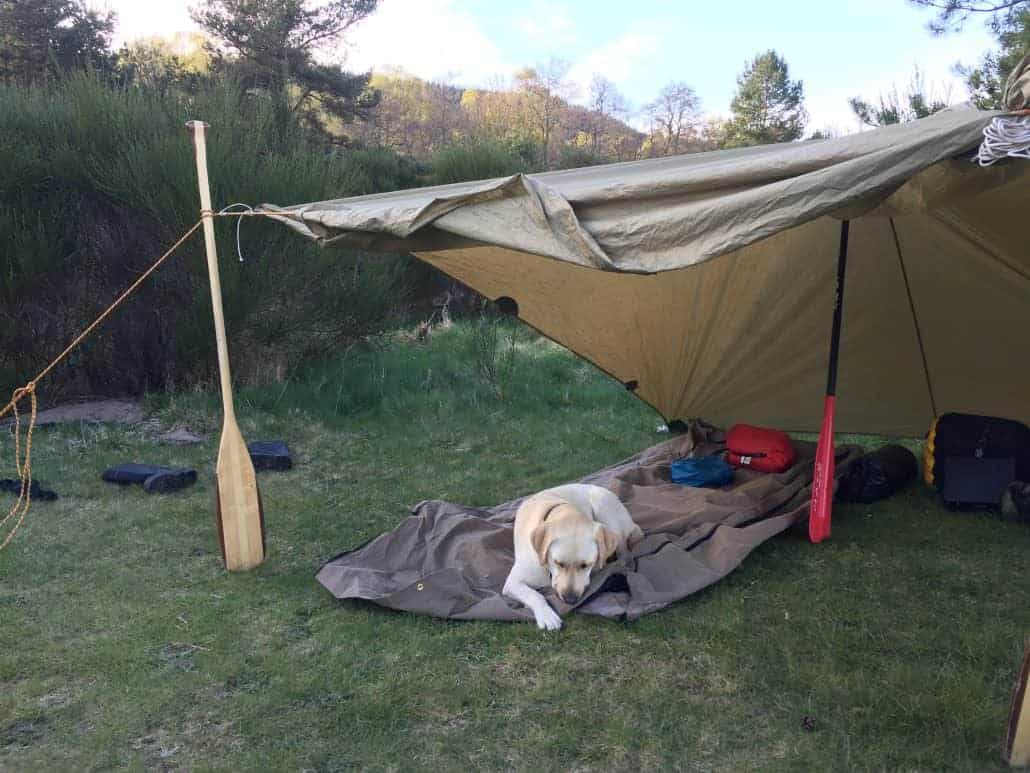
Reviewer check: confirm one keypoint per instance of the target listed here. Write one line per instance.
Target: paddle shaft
(198, 128)
(822, 481)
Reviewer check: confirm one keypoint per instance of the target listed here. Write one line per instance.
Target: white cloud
(147, 19)
(830, 110)
(428, 38)
(623, 59)
(549, 22)
(935, 57)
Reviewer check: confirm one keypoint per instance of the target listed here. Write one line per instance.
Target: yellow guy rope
(23, 465)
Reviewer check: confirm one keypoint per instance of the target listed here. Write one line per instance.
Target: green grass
(123, 644)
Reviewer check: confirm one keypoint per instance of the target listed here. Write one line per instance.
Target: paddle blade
(822, 480)
(240, 521)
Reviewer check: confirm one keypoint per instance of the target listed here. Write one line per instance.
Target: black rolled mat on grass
(448, 560)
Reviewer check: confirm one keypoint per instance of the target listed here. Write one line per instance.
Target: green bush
(100, 179)
(473, 372)
(576, 157)
(477, 160)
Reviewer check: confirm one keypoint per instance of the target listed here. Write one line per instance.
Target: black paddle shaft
(838, 308)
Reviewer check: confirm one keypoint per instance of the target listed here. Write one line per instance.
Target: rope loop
(22, 465)
(1006, 136)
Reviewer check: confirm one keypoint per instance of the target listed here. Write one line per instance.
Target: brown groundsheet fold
(451, 561)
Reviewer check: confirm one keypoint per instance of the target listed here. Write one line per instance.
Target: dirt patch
(181, 436)
(157, 747)
(179, 657)
(24, 732)
(96, 411)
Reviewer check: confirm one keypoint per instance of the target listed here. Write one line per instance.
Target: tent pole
(822, 481)
(915, 318)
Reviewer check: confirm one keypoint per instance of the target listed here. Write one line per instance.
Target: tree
(986, 81)
(951, 15)
(1009, 20)
(415, 116)
(500, 114)
(605, 105)
(41, 39)
(545, 90)
(893, 107)
(274, 42)
(161, 63)
(768, 106)
(674, 117)
(826, 133)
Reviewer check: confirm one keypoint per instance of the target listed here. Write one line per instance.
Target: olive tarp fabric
(448, 560)
(708, 279)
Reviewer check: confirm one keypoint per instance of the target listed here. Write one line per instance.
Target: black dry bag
(877, 475)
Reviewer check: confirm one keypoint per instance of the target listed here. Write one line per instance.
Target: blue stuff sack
(706, 471)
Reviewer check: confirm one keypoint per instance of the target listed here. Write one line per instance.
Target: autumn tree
(41, 39)
(605, 105)
(545, 91)
(674, 117)
(498, 114)
(768, 106)
(414, 116)
(273, 45)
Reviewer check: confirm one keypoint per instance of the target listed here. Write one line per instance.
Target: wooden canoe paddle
(241, 528)
(1017, 735)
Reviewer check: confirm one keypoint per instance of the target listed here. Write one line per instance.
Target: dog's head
(571, 546)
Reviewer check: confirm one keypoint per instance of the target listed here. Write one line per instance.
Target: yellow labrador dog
(561, 535)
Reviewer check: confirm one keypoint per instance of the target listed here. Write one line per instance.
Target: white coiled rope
(1007, 136)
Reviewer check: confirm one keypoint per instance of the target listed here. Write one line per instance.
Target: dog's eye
(582, 566)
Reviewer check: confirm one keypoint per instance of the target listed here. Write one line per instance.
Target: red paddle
(822, 479)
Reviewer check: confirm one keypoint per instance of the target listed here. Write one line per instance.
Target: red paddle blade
(822, 480)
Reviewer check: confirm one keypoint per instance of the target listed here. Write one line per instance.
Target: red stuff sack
(757, 448)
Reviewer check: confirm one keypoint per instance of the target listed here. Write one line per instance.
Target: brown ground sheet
(448, 560)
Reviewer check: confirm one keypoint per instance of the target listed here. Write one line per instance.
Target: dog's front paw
(548, 620)
(635, 538)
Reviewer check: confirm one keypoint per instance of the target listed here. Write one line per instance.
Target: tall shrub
(476, 160)
(99, 179)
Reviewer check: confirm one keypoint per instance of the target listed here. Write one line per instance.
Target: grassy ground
(123, 644)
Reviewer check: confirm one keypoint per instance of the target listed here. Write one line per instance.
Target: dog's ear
(607, 542)
(540, 539)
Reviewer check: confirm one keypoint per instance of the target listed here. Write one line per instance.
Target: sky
(838, 48)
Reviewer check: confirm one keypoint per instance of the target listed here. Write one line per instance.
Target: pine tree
(41, 39)
(1009, 20)
(271, 44)
(768, 107)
